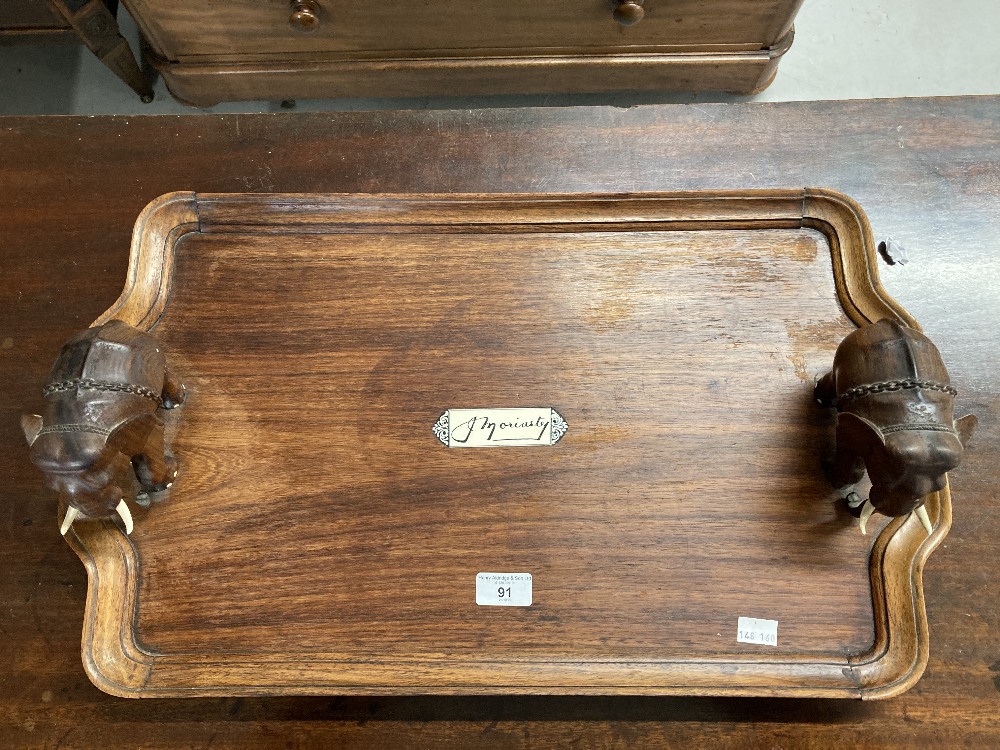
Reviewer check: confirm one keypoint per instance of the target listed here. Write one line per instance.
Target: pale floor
(842, 50)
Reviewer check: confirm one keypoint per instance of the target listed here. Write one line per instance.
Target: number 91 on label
(503, 589)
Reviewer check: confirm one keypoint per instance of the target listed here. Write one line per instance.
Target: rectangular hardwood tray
(320, 538)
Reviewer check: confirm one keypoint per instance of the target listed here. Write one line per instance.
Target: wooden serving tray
(320, 539)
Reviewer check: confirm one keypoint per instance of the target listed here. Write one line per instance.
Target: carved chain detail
(887, 386)
(74, 428)
(917, 426)
(86, 384)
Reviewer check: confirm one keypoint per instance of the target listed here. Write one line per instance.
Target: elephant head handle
(99, 438)
(895, 419)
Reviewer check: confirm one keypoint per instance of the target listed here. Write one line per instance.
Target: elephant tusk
(866, 512)
(71, 515)
(924, 519)
(126, 515)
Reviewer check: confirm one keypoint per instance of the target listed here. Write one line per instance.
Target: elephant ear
(965, 427)
(132, 433)
(858, 433)
(32, 425)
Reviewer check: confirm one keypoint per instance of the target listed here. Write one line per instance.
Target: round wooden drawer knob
(305, 16)
(629, 12)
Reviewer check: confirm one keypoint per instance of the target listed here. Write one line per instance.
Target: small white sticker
(503, 589)
(760, 632)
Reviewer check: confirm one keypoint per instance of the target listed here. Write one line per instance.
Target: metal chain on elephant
(86, 384)
(917, 427)
(67, 428)
(887, 386)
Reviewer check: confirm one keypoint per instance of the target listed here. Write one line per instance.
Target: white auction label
(754, 630)
(503, 589)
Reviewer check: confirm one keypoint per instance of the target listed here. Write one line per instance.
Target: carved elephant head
(905, 466)
(100, 431)
(79, 466)
(896, 417)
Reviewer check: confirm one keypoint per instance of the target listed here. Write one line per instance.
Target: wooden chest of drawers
(215, 50)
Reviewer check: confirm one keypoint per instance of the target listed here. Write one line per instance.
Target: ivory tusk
(924, 519)
(71, 515)
(866, 512)
(126, 515)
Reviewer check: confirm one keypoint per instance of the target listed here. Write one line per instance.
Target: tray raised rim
(117, 664)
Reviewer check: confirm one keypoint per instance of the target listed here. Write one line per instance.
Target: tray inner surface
(317, 513)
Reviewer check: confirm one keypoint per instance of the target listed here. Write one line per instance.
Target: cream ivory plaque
(499, 428)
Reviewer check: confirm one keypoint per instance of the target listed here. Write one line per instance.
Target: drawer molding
(204, 84)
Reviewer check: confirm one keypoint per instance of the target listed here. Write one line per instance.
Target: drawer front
(259, 28)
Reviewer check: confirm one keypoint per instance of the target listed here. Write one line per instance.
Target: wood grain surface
(927, 172)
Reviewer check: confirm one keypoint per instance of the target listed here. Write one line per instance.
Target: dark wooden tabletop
(927, 171)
